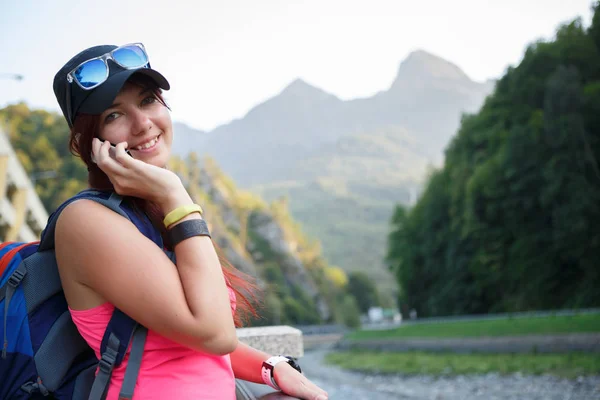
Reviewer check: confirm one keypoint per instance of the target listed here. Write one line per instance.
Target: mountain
(274, 135)
(187, 138)
(427, 98)
(345, 164)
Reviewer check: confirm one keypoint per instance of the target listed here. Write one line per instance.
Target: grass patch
(506, 327)
(569, 365)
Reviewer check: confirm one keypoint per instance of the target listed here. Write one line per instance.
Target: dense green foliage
(364, 291)
(512, 220)
(40, 140)
(582, 323)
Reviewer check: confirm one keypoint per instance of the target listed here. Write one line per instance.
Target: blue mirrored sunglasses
(93, 72)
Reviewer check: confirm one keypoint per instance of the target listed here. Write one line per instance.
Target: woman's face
(139, 118)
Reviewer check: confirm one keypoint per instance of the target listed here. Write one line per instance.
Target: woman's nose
(142, 122)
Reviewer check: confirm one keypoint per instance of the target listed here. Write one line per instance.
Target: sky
(224, 57)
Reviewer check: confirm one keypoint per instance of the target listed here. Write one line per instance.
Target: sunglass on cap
(93, 72)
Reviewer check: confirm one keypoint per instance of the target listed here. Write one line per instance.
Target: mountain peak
(421, 64)
(300, 87)
(297, 83)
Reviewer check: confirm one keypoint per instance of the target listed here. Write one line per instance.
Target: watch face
(293, 363)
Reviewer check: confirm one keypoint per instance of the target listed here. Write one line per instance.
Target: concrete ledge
(274, 340)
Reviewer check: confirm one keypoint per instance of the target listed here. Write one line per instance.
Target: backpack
(43, 354)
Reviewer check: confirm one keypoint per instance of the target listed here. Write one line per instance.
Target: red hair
(85, 128)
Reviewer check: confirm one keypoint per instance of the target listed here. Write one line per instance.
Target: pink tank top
(168, 370)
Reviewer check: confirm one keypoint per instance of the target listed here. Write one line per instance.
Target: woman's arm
(99, 251)
(247, 364)
(187, 303)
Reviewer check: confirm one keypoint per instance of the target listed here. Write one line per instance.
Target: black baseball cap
(97, 100)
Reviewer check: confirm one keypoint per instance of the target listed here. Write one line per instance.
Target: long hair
(85, 128)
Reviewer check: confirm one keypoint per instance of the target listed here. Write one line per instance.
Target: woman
(110, 94)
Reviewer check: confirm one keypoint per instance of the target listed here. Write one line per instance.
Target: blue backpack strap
(121, 331)
(134, 363)
(9, 290)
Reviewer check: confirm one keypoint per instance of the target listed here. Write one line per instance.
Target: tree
(364, 291)
(337, 276)
(41, 141)
(511, 222)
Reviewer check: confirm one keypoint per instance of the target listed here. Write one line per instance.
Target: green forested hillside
(512, 220)
(343, 219)
(345, 195)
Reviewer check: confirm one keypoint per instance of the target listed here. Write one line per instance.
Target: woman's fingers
(315, 392)
(298, 385)
(121, 155)
(104, 160)
(312, 392)
(95, 149)
(133, 177)
(100, 150)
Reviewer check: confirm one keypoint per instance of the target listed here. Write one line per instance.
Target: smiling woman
(186, 299)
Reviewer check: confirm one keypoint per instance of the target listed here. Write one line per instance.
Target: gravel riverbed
(345, 385)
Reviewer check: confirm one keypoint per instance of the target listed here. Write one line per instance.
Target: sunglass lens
(131, 57)
(91, 73)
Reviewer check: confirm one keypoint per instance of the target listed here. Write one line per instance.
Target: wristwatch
(269, 365)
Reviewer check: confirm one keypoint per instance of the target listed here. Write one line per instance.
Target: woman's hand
(131, 177)
(295, 384)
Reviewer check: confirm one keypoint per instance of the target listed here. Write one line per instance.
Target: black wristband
(186, 230)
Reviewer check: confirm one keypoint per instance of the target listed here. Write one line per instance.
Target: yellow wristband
(181, 212)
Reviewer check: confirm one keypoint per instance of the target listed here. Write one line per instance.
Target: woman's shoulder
(89, 203)
(83, 215)
(88, 218)
(79, 210)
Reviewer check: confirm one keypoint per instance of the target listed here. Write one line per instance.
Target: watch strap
(267, 370)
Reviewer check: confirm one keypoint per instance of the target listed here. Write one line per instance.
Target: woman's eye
(149, 100)
(111, 117)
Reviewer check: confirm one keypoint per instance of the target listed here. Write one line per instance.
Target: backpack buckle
(106, 363)
(36, 387)
(16, 277)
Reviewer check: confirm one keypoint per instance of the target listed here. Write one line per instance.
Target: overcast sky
(224, 57)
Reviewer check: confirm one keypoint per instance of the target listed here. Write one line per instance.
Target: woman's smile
(148, 146)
